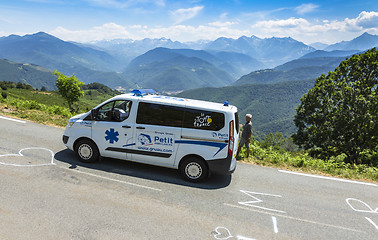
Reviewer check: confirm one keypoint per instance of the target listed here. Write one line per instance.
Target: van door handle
(140, 128)
(126, 126)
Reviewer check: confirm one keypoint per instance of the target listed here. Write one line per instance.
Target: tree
(69, 88)
(340, 113)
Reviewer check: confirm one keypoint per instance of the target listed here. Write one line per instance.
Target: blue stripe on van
(211, 144)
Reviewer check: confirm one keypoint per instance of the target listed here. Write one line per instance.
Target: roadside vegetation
(48, 107)
(278, 152)
(336, 124)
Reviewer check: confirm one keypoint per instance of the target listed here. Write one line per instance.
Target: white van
(196, 137)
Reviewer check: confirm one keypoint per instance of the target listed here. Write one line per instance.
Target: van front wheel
(194, 169)
(87, 151)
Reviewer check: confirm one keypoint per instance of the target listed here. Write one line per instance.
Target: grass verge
(302, 162)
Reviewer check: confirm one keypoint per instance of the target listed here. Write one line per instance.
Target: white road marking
(293, 218)
(369, 209)
(275, 228)
(222, 233)
(29, 165)
(256, 200)
(116, 180)
(329, 178)
(371, 221)
(12, 119)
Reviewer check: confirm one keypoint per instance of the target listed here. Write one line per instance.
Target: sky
(326, 21)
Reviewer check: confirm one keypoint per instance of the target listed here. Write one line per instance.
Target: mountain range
(113, 63)
(246, 69)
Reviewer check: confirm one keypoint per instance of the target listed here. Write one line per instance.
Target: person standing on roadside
(246, 134)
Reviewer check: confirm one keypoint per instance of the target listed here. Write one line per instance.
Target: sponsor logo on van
(164, 140)
(220, 135)
(144, 139)
(202, 121)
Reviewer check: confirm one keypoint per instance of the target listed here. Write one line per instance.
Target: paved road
(46, 193)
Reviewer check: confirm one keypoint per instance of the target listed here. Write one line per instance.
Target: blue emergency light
(143, 92)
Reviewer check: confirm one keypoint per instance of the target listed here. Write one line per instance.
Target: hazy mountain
(235, 64)
(335, 53)
(127, 49)
(50, 52)
(272, 105)
(270, 51)
(363, 42)
(33, 75)
(319, 45)
(174, 70)
(309, 66)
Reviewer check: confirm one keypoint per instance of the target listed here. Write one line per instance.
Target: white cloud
(282, 24)
(325, 30)
(181, 15)
(306, 8)
(364, 20)
(320, 30)
(104, 32)
(222, 24)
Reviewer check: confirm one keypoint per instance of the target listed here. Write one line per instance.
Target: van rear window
(162, 115)
(172, 116)
(204, 120)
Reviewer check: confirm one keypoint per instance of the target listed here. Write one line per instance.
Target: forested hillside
(299, 69)
(272, 105)
(26, 73)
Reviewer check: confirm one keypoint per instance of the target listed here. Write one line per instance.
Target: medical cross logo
(111, 135)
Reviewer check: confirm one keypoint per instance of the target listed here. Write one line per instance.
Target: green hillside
(272, 105)
(26, 73)
(299, 69)
(177, 73)
(48, 106)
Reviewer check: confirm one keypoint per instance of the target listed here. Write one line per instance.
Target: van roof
(177, 101)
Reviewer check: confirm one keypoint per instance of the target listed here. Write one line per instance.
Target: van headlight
(72, 121)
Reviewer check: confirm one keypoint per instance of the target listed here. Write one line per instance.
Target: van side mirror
(94, 114)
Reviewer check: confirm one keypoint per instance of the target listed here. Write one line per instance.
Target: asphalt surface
(46, 193)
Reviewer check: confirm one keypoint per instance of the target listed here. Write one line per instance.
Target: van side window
(115, 111)
(158, 114)
(203, 120)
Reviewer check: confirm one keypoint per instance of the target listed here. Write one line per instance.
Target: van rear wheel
(87, 151)
(194, 169)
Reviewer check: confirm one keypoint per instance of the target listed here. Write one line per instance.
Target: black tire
(87, 151)
(194, 169)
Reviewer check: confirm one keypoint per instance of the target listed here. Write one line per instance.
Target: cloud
(181, 15)
(106, 31)
(222, 24)
(364, 20)
(305, 30)
(282, 24)
(327, 31)
(306, 8)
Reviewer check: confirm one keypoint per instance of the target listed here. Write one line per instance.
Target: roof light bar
(143, 92)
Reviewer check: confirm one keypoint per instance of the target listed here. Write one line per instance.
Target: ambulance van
(195, 137)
